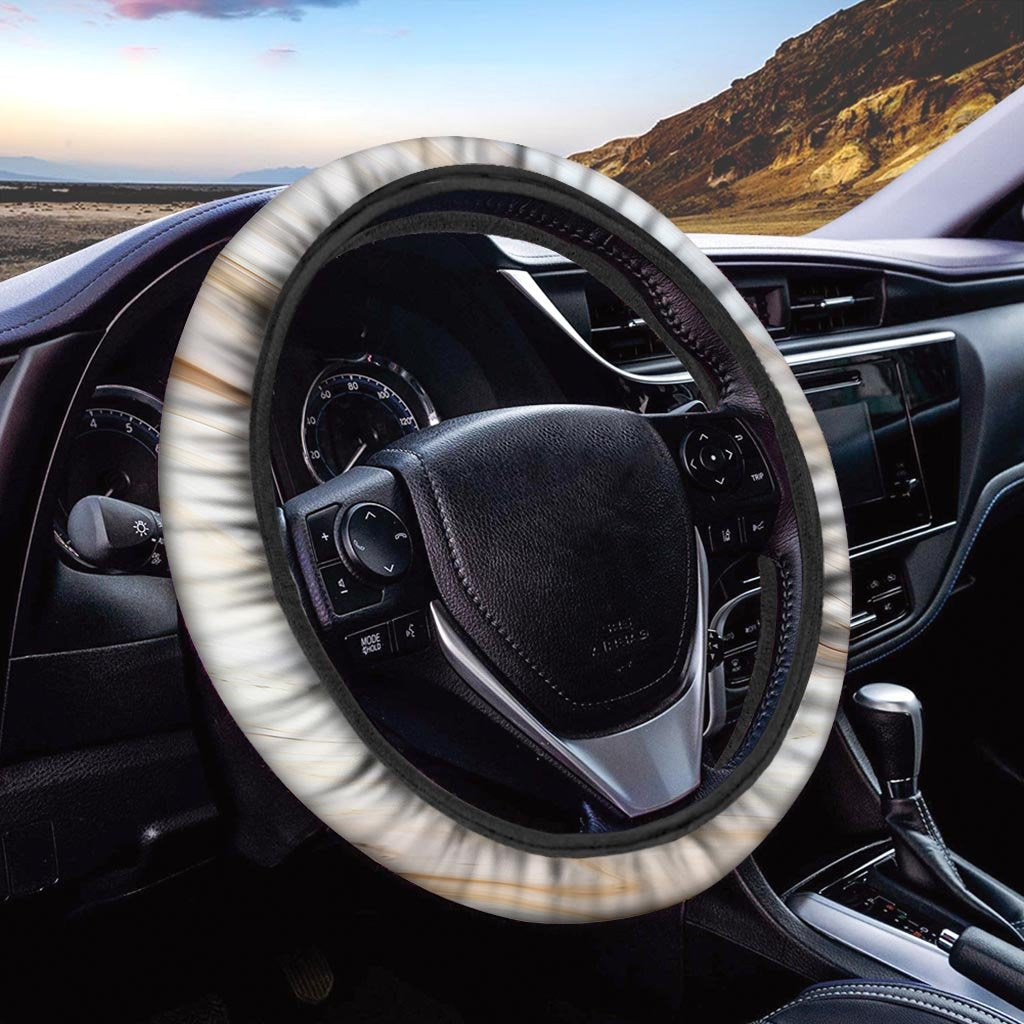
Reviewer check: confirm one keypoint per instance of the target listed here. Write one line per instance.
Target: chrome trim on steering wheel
(639, 770)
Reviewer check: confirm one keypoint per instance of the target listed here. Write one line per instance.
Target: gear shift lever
(888, 722)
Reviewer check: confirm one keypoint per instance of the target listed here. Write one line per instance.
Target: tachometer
(114, 453)
(355, 408)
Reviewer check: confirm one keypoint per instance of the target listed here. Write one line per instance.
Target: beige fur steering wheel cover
(226, 592)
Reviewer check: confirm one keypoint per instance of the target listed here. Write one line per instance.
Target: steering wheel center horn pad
(558, 547)
(562, 545)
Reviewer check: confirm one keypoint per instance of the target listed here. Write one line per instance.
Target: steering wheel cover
(263, 672)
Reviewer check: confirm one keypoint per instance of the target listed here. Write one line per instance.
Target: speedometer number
(355, 408)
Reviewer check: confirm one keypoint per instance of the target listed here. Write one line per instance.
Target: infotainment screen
(863, 413)
(851, 442)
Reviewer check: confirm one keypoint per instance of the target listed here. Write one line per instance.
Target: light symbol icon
(141, 527)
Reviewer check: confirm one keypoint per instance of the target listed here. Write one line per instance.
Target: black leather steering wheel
(558, 551)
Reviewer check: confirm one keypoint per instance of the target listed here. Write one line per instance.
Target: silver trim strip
(868, 348)
(862, 619)
(870, 547)
(809, 884)
(527, 284)
(911, 956)
(833, 387)
(639, 770)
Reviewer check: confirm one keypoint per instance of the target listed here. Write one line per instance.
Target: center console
(843, 903)
(890, 414)
(911, 903)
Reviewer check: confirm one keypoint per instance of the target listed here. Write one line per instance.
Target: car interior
(155, 868)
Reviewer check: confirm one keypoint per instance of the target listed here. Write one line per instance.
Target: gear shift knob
(887, 719)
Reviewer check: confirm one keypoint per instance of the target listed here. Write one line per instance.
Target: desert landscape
(835, 114)
(42, 221)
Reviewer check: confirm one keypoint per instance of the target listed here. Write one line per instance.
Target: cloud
(138, 54)
(283, 53)
(143, 10)
(12, 17)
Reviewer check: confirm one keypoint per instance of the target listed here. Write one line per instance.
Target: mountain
(30, 168)
(270, 176)
(15, 176)
(835, 114)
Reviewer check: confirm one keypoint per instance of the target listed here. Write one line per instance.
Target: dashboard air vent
(791, 301)
(834, 299)
(616, 332)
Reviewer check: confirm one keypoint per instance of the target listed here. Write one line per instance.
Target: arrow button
(377, 540)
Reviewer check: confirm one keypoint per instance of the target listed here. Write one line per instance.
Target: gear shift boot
(889, 725)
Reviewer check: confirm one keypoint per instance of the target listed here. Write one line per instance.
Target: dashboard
(399, 338)
(913, 366)
(402, 335)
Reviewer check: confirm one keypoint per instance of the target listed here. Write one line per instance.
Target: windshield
(749, 116)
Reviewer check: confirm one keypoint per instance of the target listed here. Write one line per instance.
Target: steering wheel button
(321, 534)
(756, 478)
(712, 459)
(371, 644)
(739, 667)
(410, 632)
(377, 540)
(756, 528)
(724, 536)
(345, 592)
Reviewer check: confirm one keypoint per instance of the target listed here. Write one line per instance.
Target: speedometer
(357, 406)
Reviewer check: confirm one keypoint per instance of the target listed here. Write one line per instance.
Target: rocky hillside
(831, 117)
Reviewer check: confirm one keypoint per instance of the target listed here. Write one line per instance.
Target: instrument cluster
(355, 407)
(114, 454)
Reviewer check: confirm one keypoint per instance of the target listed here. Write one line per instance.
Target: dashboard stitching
(931, 616)
(200, 212)
(501, 630)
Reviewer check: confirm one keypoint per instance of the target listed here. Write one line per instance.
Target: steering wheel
(558, 553)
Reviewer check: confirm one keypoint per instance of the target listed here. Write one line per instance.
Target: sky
(208, 88)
